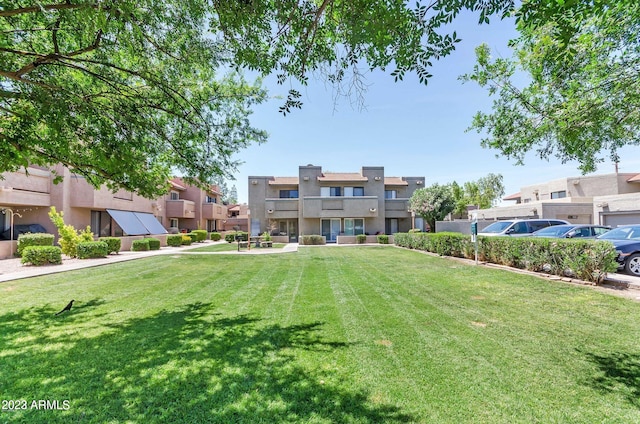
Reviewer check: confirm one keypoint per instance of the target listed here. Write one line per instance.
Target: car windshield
(497, 227)
(554, 230)
(623, 233)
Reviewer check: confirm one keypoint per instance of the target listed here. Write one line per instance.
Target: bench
(266, 244)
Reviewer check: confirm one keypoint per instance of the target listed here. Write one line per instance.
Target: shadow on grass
(618, 372)
(188, 365)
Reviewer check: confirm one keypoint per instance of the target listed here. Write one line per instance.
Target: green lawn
(325, 335)
(230, 247)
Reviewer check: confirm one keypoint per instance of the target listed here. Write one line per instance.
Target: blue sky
(409, 128)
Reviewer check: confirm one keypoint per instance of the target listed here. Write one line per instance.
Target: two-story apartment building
(331, 203)
(607, 199)
(26, 197)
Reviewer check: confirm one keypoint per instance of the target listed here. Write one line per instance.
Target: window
(175, 195)
(390, 194)
(211, 199)
(288, 194)
(558, 194)
(353, 227)
(101, 223)
(330, 191)
(173, 223)
(353, 191)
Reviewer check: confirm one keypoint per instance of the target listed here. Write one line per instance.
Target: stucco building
(25, 198)
(332, 204)
(607, 199)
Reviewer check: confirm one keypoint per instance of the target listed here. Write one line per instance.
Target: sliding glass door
(330, 229)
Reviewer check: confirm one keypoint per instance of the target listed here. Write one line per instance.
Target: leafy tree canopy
(582, 99)
(127, 92)
(432, 203)
(483, 193)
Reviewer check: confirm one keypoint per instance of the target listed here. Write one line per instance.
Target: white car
(519, 227)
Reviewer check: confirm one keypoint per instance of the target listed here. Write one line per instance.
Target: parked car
(572, 231)
(626, 239)
(519, 227)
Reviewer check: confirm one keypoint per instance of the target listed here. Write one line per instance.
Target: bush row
(92, 249)
(588, 260)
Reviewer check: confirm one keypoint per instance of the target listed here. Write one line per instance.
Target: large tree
(432, 203)
(126, 92)
(580, 61)
(482, 193)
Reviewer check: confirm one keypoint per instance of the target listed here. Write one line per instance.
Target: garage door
(615, 220)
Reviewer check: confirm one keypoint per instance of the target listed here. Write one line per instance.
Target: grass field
(324, 335)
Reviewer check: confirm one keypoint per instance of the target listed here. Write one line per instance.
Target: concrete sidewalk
(11, 269)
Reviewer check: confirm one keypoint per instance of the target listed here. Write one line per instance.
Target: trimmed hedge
(174, 240)
(215, 236)
(588, 260)
(193, 236)
(114, 244)
(92, 249)
(41, 255)
(33, 239)
(361, 238)
(186, 240)
(154, 243)
(312, 240)
(383, 239)
(140, 245)
(201, 235)
(231, 237)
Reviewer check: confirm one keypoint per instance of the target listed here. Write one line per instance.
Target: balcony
(214, 211)
(397, 208)
(281, 208)
(180, 209)
(340, 207)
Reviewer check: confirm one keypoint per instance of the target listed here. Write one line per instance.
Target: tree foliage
(432, 203)
(122, 92)
(582, 99)
(483, 193)
(127, 92)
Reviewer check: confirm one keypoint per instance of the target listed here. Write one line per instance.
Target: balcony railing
(340, 207)
(281, 208)
(214, 211)
(181, 209)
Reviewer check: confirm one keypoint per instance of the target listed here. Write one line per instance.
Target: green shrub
(174, 240)
(140, 245)
(41, 255)
(92, 249)
(231, 237)
(33, 239)
(69, 237)
(186, 240)
(361, 238)
(215, 236)
(588, 260)
(266, 236)
(154, 243)
(114, 244)
(201, 235)
(312, 240)
(194, 237)
(383, 239)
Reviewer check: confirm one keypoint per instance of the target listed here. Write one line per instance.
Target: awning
(150, 222)
(136, 223)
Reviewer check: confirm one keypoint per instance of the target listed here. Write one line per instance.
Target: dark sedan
(572, 231)
(627, 242)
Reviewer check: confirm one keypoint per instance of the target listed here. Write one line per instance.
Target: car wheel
(632, 265)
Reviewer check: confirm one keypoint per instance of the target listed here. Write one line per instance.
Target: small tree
(432, 203)
(69, 237)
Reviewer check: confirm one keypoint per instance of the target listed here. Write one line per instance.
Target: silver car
(519, 227)
(572, 231)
